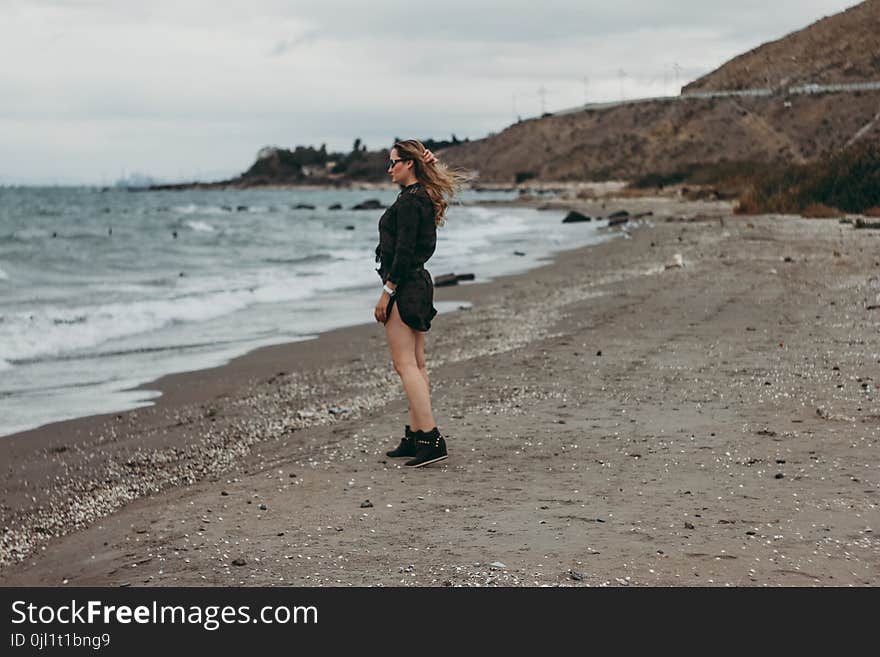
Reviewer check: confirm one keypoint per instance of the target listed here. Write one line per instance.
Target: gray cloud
(286, 45)
(176, 88)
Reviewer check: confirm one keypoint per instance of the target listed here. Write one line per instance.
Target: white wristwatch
(389, 290)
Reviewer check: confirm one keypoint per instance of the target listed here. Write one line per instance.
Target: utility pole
(542, 92)
(677, 73)
(586, 88)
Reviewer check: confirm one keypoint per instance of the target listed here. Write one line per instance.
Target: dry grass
(821, 211)
(848, 181)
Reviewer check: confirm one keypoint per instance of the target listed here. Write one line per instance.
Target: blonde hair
(440, 181)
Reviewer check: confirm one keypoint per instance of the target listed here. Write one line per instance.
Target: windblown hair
(440, 181)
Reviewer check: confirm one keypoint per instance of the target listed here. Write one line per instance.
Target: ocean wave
(120, 352)
(200, 226)
(27, 234)
(194, 208)
(315, 257)
(52, 331)
(483, 213)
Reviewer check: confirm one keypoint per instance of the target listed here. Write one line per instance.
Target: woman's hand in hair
(429, 157)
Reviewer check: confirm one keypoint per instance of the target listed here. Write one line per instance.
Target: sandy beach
(610, 421)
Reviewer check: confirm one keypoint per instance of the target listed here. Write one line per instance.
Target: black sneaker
(407, 446)
(430, 448)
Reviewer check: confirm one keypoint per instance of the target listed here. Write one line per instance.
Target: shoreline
(77, 401)
(504, 369)
(152, 385)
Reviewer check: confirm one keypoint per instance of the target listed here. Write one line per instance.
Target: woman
(407, 238)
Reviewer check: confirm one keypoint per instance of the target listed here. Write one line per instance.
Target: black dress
(407, 239)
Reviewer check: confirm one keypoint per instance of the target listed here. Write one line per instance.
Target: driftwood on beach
(451, 279)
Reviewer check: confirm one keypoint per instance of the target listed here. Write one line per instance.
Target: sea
(105, 289)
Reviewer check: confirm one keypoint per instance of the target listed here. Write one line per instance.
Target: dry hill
(632, 140)
(841, 48)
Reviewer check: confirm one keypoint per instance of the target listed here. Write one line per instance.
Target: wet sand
(610, 421)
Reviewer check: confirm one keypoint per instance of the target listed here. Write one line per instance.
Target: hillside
(841, 48)
(632, 140)
(628, 141)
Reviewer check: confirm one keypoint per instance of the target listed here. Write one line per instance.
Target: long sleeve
(409, 216)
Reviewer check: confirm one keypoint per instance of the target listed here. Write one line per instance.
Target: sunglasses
(391, 163)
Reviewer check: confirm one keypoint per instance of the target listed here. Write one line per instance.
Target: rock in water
(573, 217)
(369, 204)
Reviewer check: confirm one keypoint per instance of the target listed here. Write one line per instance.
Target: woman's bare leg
(423, 368)
(402, 344)
(420, 358)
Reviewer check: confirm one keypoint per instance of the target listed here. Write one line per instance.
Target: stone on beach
(677, 261)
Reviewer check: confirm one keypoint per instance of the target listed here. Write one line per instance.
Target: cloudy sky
(187, 89)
